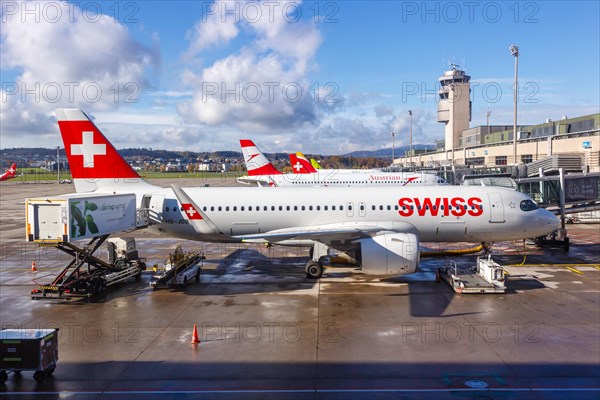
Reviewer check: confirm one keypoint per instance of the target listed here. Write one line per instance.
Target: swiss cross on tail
(91, 156)
(88, 149)
(191, 212)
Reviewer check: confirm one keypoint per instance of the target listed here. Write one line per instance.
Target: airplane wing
(344, 232)
(266, 181)
(321, 233)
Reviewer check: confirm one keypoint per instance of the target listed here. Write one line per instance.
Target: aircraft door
(362, 209)
(496, 208)
(155, 210)
(350, 209)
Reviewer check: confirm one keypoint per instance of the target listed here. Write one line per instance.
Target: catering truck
(78, 216)
(62, 221)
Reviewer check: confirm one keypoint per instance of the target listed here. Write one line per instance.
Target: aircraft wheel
(39, 376)
(314, 270)
(198, 276)
(184, 281)
(50, 371)
(566, 244)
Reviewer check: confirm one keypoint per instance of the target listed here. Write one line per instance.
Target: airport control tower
(454, 108)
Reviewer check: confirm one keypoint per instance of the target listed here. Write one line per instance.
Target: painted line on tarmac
(285, 391)
(597, 266)
(574, 270)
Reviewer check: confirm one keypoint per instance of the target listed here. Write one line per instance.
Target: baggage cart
(28, 350)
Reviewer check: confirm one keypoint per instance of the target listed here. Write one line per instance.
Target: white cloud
(213, 29)
(261, 87)
(68, 59)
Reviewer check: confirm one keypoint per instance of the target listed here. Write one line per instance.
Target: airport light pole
(393, 146)
(514, 50)
(411, 151)
(58, 164)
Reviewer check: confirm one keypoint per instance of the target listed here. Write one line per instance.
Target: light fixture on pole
(393, 146)
(58, 163)
(514, 50)
(411, 151)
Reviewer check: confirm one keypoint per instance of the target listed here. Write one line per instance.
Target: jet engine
(390, 254)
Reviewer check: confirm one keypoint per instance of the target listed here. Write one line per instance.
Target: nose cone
(547, 222)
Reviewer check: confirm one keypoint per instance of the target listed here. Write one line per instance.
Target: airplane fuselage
(439, 214)
(334, 177)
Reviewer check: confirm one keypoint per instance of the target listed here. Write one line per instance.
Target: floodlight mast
(411, 150)
(514, 50)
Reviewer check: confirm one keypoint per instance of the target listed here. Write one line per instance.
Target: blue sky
(320, 77)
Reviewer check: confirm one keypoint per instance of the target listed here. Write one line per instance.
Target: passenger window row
(334, 208)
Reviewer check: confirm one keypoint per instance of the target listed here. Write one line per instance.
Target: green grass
(42, 175)
(39, 175)
(192, 175)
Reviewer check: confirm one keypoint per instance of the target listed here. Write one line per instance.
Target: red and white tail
(95, 163)
(10, 173)
(301, 165)
(256, 162)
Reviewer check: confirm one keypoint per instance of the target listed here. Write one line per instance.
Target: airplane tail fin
(95, 163)
(300, 165)
(12, 171)
(256, 162)
(315, 163)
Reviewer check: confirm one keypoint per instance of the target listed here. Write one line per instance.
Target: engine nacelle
(390, 254)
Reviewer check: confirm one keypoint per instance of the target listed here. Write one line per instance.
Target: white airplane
(382, 225)
(262, 173)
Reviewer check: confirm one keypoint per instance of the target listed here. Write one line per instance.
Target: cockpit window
(528, 205)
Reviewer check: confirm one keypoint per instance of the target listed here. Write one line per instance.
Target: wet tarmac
(267, 332)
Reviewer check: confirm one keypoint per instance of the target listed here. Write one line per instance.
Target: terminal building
(570, 141)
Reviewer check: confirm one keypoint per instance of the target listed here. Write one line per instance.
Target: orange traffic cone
(33, 268)
(195, 338)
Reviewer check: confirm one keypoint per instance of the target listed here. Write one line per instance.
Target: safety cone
(33, 268)
(195, 338)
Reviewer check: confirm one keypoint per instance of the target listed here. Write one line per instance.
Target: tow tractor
(87, 275)
(180, 268)
(486, 277)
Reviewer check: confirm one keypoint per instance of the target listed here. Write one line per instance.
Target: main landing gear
(315, 267)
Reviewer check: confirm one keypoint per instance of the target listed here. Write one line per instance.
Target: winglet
(194, 214)
(256, 162)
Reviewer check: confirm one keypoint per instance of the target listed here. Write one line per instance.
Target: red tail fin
(301, 165)
(256, 162)
(93, 160)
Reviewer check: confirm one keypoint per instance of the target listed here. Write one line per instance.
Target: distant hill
(387, 153)
(358, 159)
